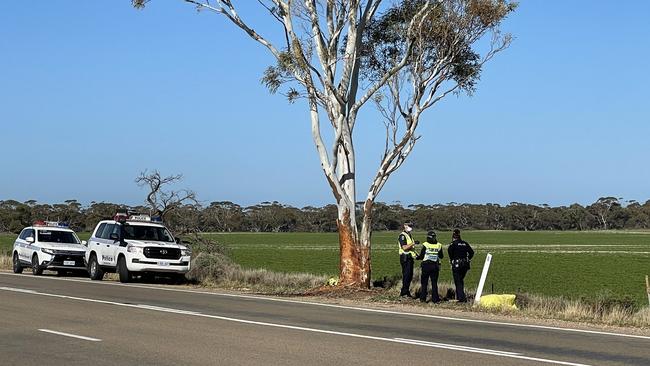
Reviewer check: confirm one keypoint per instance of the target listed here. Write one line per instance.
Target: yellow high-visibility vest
(431, 252)
(409, 241)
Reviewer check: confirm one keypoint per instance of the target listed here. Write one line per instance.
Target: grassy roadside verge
(555, 264)
(215, 270)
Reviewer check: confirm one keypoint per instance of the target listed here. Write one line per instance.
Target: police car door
(103, 245)
(21, 245)
(95, 242)
(31, 246)
(113, 236)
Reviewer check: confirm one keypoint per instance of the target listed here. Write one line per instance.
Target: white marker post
(481, 283)
(647, 288)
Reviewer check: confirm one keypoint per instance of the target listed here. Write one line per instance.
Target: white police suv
(48, 245)
(131, 244)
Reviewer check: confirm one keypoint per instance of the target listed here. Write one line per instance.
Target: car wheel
(125, 275)
(94, 271)
(36, 269)
(18, 268)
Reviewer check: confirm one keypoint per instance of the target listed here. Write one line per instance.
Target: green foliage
(448, 30)
(282, 72)
(139, 4)
(606, 213)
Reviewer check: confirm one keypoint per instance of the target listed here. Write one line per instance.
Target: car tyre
(36, 269)
(123, 271)
(94, 270)
(17, 267)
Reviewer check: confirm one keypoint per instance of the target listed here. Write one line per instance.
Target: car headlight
(47, 251)
(133, 249)
(185, 252)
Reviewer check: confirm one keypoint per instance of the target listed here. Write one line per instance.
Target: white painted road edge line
(453, 346)
(293, 327)
(70, 335)
(391, 312)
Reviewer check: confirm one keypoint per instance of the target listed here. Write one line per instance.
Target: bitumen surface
(48, 320)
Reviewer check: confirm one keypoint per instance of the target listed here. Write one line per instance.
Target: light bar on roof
(139, 218)
(50, 223)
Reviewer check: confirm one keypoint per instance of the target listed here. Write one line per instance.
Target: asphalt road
(55, 321)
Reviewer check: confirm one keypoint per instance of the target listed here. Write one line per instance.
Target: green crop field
(571, 264)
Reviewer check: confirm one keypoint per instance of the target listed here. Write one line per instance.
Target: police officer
(430, 255)
(407, 256)
(460, 255)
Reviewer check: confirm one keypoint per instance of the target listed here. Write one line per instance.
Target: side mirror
(84, 243)
(179, 241)
(30, 239)
(114, 236)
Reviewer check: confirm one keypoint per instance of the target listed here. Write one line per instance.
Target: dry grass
(446, 290)
(603, 310)
(5, 262)
(215, 269)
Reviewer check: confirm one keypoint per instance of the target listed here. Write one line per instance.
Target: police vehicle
(132, 243)
(48, 245)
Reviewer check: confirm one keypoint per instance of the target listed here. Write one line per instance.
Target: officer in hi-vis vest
(407, 256)
(431, 254)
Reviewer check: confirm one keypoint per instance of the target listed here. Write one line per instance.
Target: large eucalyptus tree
(401, 57)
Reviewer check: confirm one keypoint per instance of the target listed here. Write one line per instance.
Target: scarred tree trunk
(354, 267)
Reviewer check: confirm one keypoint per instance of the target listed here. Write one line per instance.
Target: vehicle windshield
(56, 236)
(142, 232)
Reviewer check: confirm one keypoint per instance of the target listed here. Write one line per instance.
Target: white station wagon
(135, 244)
(48, 245)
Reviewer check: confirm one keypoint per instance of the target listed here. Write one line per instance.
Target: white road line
(313, 303)
(454, 346)
(293, 327)
(485, 351)
(168, 310)
(70, 335)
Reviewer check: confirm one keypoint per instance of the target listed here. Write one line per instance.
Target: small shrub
(217, 269)
(209, 267)
(5, 261)
(604, 302)
(200, 244)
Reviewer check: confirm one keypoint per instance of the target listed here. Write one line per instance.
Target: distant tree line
(606, 213)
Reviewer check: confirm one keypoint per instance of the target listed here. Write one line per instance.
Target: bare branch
(161, 201)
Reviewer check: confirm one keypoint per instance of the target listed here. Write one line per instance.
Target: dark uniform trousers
(406, 260)
(430, 270)
(459, 280)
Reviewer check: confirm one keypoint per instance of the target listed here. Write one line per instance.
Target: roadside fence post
(647, 288)
(481, 283)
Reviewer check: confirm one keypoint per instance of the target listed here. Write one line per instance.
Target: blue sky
(93, 92)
